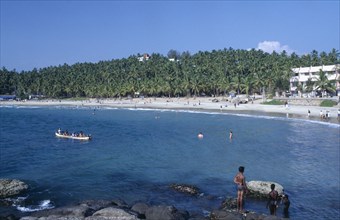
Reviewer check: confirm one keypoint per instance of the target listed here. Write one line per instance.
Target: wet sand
(194, 104)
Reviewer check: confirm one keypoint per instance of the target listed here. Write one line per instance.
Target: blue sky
(48, 33)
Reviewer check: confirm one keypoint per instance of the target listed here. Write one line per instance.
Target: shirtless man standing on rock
(240, 180)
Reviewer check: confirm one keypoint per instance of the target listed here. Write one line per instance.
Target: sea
(136, 154)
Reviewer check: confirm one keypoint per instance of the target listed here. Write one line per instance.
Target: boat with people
(75, 135)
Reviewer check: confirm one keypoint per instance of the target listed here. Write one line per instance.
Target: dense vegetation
(204, 73)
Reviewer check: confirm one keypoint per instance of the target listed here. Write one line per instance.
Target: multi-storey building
(302, 74)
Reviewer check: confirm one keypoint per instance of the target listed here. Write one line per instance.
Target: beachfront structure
(302, 74)
(144, 57)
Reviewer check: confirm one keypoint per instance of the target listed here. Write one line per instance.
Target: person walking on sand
(272, 200)
(240, 181)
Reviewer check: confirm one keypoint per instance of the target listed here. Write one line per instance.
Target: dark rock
(6, 202)
(225, 215)
(8, 217)
(198, 217)
(229, 203)
(11, 187)
(112, 213)
(165, 213)
(140, 208)
(184, 188)
(71, 211)
(272, 217)
(252, 216)
(96, 205)
(120, 203)
(29, 218)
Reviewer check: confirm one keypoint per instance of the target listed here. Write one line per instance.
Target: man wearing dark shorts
(240, 181)
(272, 200)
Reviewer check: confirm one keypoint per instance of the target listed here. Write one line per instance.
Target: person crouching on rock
(272, 200)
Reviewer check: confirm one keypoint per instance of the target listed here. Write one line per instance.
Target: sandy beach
(195, 104)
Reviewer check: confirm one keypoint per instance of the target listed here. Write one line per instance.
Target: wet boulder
(11, 187)
(229, 204)
(165, 213)
(112, 213)
(185, 188)
(79, 211)
(225, 215)
(140, 208)
(261, 189)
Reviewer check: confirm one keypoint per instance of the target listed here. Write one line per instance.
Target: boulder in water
(11, 187)
(185, 188)
(261, 189)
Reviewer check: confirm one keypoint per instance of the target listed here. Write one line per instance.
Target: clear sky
(48, 33)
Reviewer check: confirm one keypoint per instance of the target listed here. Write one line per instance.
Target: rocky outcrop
(165, 213)
(108, 210)
(229, 204)
(185, 188)
(261, 189)
(234, 215)
(101, 210)
(140, 208)
(228, 211)
(112, 213)
(117, 209)
(11, 187)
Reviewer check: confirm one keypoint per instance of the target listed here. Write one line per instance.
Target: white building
(303, 74)
(145, 57)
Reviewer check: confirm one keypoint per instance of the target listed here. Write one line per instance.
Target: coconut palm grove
(216, 72)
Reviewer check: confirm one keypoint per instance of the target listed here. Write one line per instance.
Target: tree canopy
(211, 73)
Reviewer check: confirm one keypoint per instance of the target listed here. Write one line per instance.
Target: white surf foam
(45, 204)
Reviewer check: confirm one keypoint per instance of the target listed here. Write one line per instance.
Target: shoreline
(198, 104)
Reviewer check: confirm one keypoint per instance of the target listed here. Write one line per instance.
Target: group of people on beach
(273, 197)
(326, 115)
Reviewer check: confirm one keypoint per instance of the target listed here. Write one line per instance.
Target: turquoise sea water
(136, 154)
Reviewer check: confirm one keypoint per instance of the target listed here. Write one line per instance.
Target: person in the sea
(230, 134)
(240, 181)
(286, 204)
(273, 197)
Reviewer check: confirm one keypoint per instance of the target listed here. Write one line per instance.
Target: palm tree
(247, 84)
(308, 86)
(324, 84)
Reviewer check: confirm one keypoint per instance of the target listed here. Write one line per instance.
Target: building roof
(314, 69)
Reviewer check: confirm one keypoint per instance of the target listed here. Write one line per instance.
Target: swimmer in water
(200, 135)
(230, 135)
